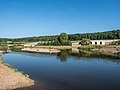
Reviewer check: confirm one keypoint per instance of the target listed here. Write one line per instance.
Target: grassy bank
(87, 48)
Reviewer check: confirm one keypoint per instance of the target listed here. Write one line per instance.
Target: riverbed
(65, 71)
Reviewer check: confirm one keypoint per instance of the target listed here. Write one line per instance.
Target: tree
(85, 42)
(115, 43)
(63, 39)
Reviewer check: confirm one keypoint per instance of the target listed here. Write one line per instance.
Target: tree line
(114, 34)
(60, 40)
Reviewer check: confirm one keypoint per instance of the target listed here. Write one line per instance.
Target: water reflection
(64, 54)
(78, 71)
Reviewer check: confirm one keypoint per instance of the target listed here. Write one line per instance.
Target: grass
(117, 43)
(87, 47)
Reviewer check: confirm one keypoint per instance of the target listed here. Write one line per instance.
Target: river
(64, 71)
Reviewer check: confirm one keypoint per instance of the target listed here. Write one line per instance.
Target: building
(76, 43)
(102, 42)
(95, 42)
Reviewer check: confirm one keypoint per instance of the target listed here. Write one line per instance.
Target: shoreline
(110, 51)
(105, 50)
(41, 50)
(47, 49)
(2, 52)
(11, 78)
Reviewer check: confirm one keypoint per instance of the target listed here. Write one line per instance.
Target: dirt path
(9, 79)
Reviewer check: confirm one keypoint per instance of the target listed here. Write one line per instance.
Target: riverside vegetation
(58, 41)
(63, 39)
(114, 34)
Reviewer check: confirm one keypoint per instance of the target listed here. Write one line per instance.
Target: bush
(115, 43)
(67, 43)
(88, 48)
(61, 40)
(3, 47)
(85, 42)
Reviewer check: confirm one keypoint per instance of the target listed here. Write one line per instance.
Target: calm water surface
(67, 72)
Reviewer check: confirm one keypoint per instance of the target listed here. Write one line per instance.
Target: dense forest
(114, 34)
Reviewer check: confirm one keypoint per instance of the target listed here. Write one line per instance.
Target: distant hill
(114, 34)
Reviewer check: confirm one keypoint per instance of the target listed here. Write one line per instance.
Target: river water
(67, 72)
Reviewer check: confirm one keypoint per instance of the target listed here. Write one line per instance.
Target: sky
(24, 18)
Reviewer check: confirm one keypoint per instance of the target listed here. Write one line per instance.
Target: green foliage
(1, 60)
(67, 43)
(116, 43)
(87, 48)
(85, 42)
(114, 34)
(3, 47)
(55, 43)
(15, 70)
(15, 48)
(26, 75)
(64, 54)
(63, 39)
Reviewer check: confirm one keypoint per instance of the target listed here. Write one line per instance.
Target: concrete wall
(98, 42)
(101, 42)
(75, 43)
(95, 42)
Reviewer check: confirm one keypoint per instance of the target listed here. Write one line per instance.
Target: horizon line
(54, 34)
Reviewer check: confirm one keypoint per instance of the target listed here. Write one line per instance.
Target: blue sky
(23, 18)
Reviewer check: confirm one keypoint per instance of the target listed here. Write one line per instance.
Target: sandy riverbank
(47, 49)
(1, 52)
(11, 79)
(109, 50)
(41, 50)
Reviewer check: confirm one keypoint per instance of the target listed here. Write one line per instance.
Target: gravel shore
(41, 50)
(110, 50)
(11, 79)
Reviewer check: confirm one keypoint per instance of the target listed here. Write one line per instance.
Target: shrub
(115, 43)
(85, 42)
(88, 48)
